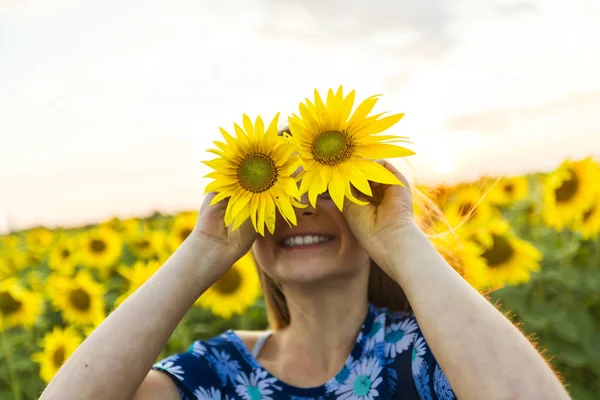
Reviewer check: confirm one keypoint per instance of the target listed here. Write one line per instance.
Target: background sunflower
(235, 291)
(57, 346)
(18, 306)
(136, 275)
(79, 299)
(509, 190)
(62, 257)
(183, 225)
(100, 248)
(570, 191)
(509, 260)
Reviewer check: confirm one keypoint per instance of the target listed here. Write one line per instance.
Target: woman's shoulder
(212, 363)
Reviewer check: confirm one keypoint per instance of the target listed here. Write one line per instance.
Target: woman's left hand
(388, 215)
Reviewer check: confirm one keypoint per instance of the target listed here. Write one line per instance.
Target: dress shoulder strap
(260, 343)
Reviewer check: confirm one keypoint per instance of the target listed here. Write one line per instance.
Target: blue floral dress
(390, 360)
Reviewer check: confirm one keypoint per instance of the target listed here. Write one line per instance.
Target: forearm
(483, 355)
(113, 361)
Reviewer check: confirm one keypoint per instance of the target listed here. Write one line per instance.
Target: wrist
(404, 246)
(201, 261)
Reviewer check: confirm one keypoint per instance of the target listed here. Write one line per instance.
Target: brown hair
(383, 291)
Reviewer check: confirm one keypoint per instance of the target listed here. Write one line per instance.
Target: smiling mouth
(305, 240)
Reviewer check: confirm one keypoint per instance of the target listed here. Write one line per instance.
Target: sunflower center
(97, 245)
(467, 209)
(568, 189)
(589, 213)
(58, 358)
(142, 244)
(8, 304)
(230, 282)
(257, 173)
(80, 299)
(509, 188)
(65, 253)
(184, 233)
(500, 252)
(332, 147)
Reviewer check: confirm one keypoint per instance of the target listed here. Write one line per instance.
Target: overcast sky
(107, 108)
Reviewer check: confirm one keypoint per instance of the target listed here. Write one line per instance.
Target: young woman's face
(321, 246)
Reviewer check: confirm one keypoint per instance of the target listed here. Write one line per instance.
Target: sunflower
(255, 171)
(183, 225)
(18, 306)
(57, 347)
(136, 276)
(509, 259)
(570, 191)
(509, 190)
(101, 248)
(80, 299)
(127, 227)
(471, 206)
(589, 223)
(337, 148)
(62, 257)
(39, 240)
(237, 290)
(147, 246)
(462, 254)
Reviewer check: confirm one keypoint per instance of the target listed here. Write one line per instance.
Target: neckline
(354, 355)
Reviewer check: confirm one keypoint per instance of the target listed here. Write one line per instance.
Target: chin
(306, 272)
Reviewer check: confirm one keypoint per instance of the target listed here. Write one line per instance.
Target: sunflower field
(530, 243)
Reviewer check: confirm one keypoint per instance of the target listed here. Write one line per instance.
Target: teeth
(304, 240)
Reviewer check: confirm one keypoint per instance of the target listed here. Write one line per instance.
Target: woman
(329, 340)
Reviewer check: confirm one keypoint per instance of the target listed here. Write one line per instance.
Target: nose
(308, 210)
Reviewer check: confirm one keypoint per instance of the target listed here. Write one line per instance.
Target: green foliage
(560, 307)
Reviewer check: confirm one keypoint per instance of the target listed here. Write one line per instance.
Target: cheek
(262, 250)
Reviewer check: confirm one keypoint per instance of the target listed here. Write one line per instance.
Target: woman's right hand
(210, 228)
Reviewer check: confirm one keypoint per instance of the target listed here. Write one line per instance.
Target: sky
(107, 108)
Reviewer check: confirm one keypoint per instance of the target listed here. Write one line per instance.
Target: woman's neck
(325, 321)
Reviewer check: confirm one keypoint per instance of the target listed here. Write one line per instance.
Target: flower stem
(14, 382)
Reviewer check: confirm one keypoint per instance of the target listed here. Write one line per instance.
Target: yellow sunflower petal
(380, 125)
(353, 199)
(377, 172)
(357, 178)
(337, 188)
(270, 215)
(285, 208)
(379, 151)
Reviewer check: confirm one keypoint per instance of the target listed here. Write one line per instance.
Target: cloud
(33, 9)
(516, 7)
(500, 121)
(407, 26)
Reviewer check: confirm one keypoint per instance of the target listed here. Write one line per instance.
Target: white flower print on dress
(168, 364)
(362, 382)
(226, 367)
(341, 376)
(198, 349)
(441, 385)
(256, 386)
(376, 334)
(399, 336)
(208, 394)
(419, 350)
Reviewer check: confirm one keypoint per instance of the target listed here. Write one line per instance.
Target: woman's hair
(382, 291)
